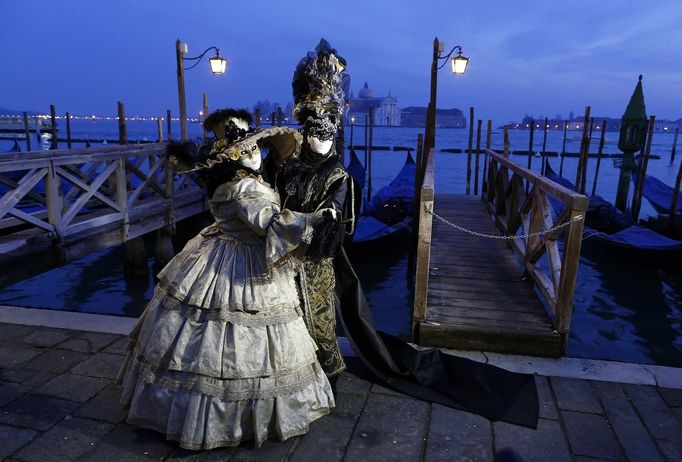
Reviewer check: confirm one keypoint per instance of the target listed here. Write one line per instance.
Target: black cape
(431, 375)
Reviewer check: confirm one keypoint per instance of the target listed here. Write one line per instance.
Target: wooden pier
(61, 205)
(477, 292)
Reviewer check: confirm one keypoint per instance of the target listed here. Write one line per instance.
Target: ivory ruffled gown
(221, 353)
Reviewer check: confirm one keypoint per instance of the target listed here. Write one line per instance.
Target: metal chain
(497, 236)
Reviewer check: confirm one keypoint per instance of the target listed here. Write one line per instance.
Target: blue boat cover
(392, 203)
(605, 223)
(658, 193)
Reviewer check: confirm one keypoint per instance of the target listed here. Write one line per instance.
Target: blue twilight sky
(543, 57)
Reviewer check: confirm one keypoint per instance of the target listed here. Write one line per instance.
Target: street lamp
(218, 66)
(459, 65)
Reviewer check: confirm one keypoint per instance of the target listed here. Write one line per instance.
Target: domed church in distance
(386, 110)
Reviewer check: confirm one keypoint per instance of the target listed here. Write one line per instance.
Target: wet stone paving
(59, 402)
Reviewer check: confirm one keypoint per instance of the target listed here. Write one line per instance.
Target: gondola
(615, 230)
(659, 194)
(388, 214)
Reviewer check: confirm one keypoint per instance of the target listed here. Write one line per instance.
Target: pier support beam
(135, 263)
(163, 248)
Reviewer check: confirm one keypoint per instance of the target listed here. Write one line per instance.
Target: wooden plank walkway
(478, 298)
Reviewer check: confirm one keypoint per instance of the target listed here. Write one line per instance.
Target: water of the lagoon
(624, 310)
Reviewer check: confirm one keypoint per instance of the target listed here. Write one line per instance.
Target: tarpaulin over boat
(658, 193)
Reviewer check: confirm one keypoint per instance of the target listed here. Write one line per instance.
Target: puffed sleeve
(284, 230)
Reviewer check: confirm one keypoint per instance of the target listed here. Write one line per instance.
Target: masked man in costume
(315, 179)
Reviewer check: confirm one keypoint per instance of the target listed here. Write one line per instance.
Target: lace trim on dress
(237, 389)
(250, 316)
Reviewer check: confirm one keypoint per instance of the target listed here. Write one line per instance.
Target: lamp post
(459, 66)
(218, 66)
(633, 131)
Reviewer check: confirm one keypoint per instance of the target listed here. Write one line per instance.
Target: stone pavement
(58, 402)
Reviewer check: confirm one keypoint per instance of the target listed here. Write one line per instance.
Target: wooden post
(430, 138)
(168, 123)
(27, 132)
(205, 112)
(369, 154)
(505, 146)
(563, 150)
(418, 180)
(478, 151)
(488, 146)
(419, 171)
(54, 202)
(530, 149)
(584, 142)
(53, 131)
(544, 147)
(599, 153)
(163, 248)
(180, 50)
(471, 141)
(673, 203)
(279, 116)
(674, 150)
(366, 133)
(272, 119)
(122, 132)
(641, 175)
(159, 129)
(68, 130)
(583, 179)
(257, 118)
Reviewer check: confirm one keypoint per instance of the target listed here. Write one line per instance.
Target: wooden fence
(57, 206)
(516, 211)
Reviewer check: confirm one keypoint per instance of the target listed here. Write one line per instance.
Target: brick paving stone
(271, 451)
(590, 435)
(105, 406)
(671, 450)
(126, 443)
(12, 355)
(12, 438)
(658, 418)
(386, 391)
(88, 342)
(54, 361)
(630, 431)
(214, 455)
(45, 337)
(673, 397)
(14, 332)
(118, 347)
(36, 412)
(351, 384)
(390, 428)
(16, 375)
(326, 441)
(25, 377)
(547, 404)
(458, 435)
(73, 387)
(547, 443)
(104, 365)
(349, 404)
(68, 440)
(38, 378)
(608, 390)
(678, 412)
(575, 395)
(11, 391)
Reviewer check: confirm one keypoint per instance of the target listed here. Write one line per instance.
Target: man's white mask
(319, 146)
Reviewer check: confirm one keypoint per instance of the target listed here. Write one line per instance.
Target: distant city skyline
(536, 57)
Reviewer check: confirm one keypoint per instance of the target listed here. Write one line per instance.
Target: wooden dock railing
(57, 206)
(424, 226)
(517, 212)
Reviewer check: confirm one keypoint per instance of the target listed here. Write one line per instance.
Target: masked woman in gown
(221, 354)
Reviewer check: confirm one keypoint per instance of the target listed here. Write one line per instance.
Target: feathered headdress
(318, 85)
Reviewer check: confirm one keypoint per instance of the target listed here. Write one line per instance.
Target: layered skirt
(221, 353)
